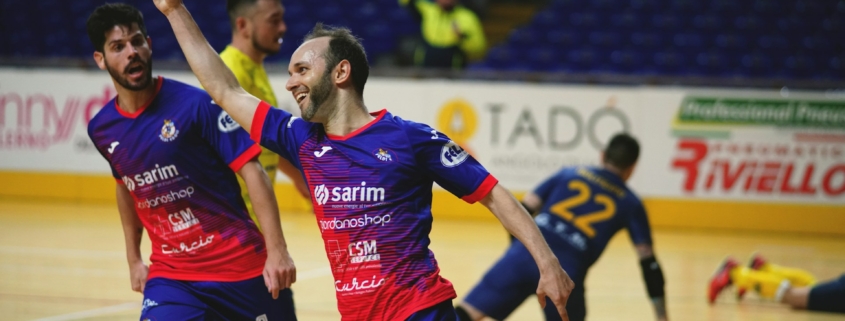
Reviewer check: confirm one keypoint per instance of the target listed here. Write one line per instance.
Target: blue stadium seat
(564, 39)
(584, 59)
(625, 60)
(726, 7)
(605, 39)
(772, 42)
(757, 65)
(584, 20)
(646, 6)
(667, 22)
(523, 37)
(800, 66)
(543, 58)
(708, 22)
(625, 21)
(548, 19)
(669, 62)
(731, 42)
(651, 40)
(687, 6)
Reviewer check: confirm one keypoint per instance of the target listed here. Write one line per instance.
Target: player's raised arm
(212, 73)
(554, 282)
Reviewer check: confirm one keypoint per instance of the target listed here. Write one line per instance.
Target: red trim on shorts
(119, 181)
(248, 155)
(482, 190)
(258, 121)
(144, 106)
(379, 115)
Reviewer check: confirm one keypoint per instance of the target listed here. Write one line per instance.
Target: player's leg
(443, 311)
(766, 284)
(576, 306)
(166, 299)
(504, 287)
(247, 300)
(828, 296)
(797, 277)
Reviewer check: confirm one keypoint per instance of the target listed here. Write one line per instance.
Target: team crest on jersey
(384, 155)
(168, 131)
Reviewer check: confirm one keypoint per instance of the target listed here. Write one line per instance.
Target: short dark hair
(344, 46)
(235, 8)
(622, 151)
(105, 17)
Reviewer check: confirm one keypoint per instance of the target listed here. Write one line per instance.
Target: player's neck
(349, 115)
(246, 47)
(131, 101)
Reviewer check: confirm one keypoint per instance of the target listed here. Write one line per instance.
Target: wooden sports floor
(65, 261)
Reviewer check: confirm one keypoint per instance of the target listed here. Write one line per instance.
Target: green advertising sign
(738, 111)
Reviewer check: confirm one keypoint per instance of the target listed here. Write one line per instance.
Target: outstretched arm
(554, 282)
(212, 73)
(653, 276)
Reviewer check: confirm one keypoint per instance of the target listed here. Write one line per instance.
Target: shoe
(721, 279)
(755, 263)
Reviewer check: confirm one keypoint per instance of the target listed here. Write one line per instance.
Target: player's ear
(343, 73)
(150, 43)
(100, 59)
(240, 27)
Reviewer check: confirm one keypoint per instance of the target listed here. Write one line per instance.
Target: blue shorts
(166, 299)
(515, 277)
(443, 311)
(828, 296)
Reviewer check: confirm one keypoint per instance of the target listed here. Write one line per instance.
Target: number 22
(583, 222)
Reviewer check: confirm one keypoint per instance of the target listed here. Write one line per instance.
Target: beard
(264, 49)
(123, 80)
(319, 94)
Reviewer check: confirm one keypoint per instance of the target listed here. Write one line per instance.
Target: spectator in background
(452, 34)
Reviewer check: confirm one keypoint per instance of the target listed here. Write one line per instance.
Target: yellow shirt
(253, 78)
(438, 27)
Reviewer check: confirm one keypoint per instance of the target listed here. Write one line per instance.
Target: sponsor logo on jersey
(364, 286)
(322, 152)
(363, 251)
(159, 173)
(113, 146)
(166, 198)
(201, 242)
(323, 194)
(339, 224)
(168, 131)
(225, 123)
(385, 155)
(452, 154)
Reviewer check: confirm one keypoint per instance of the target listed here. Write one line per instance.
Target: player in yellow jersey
(257, 30)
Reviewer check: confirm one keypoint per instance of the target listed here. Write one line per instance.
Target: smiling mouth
(300, 97)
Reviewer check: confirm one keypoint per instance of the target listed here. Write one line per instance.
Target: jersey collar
(143, 107)
(379, 115)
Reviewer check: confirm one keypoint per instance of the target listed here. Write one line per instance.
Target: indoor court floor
(65, 261)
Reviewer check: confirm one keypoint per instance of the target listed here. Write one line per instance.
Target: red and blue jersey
(177, 156)
(584, 207)
(371, 191)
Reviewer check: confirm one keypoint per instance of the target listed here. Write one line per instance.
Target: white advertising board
(696, 143)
